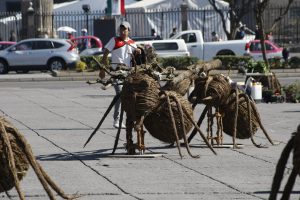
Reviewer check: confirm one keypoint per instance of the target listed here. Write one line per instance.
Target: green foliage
(91, 64)
(180, 63)
(292, 92)
(294, 62)
(257, 67)
(233, 62)
(275, 62)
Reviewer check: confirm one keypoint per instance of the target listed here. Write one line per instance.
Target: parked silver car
(38, 54)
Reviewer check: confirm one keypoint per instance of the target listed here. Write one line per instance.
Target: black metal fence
(206, 20)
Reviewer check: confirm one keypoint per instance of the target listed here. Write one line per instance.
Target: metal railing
(206, 20)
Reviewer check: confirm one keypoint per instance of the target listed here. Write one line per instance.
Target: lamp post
(30, 21)
(184, 18)
(86, 8)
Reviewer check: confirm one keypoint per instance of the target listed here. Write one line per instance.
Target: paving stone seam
(212, 178)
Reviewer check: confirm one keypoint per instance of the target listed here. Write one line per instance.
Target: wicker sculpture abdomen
(159, 123)
(243, 129)
(22, 165)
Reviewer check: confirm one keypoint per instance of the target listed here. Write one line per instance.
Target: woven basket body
(159, 123)
(219, 88)
(215, 86)
(243, 129)
(21, 162)
(140, 94)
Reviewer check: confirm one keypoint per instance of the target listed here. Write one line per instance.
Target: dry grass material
(159, 122)
(239, 115)
(140, 94)
(243, 128)
(216, 86)
(21, 163)
(15, 157)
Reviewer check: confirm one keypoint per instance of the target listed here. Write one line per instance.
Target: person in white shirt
(121, 48)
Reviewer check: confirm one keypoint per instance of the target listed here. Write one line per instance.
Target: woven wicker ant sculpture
(15, 158)
(293, 144)
(146, 104)
(166, 115)
(236, 114)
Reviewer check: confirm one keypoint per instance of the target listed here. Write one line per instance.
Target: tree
(259, 9)
(237, 9)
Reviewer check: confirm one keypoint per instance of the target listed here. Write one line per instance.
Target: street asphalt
(57, 117)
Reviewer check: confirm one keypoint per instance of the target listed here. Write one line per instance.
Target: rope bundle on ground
(15, 157)
(21, 163)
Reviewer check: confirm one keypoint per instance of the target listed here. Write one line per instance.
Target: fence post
(30, 22)
(184, 19)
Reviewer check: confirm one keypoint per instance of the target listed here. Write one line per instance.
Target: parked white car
(207, 50)
(38, 54)
(167, 48)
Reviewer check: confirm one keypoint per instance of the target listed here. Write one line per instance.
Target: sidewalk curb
(85, 76)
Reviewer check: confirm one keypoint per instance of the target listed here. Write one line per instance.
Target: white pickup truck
(207, 50)
(167, 48)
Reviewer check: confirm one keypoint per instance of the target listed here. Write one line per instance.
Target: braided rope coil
(21, 162)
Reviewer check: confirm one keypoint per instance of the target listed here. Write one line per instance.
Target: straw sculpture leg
(183, 128)
(293, 144)
(119, 131)
(260, 123)
(41, 174)
(219, 137)
(207, 110)
(235, 118)
(113, 102)
(201, 118)
(140, 134)
(200, 132)
(280, 169)
(182, 110)
(129, 142)
(173, 124)
(250, 121)
(210, 122)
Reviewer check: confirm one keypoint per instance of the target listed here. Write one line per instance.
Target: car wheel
(225, 52)
(56, 64)
(3, 67)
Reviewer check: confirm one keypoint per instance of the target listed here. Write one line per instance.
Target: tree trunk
(259, 11)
